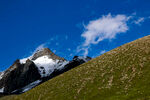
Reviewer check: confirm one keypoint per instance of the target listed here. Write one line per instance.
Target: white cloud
(139, 21)
(40, 47)
(106, 27)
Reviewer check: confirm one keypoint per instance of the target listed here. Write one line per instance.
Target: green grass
(120, 74)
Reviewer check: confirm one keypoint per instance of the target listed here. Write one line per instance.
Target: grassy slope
(120, 74)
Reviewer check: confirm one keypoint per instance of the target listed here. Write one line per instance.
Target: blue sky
(69, 27)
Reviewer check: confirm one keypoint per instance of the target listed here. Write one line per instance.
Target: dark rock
(19, 75)
(85, 59)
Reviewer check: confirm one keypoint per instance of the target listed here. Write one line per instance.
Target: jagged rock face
(48, 52)
(19, 75)
(42, 66)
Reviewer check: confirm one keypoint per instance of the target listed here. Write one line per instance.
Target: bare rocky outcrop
(18, 76)
(48, 52)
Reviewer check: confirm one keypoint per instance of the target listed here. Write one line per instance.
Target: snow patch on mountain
(1, 75)
(23, 61)
(30, 86)
(2, 90)
(60, 65)
(45, 65)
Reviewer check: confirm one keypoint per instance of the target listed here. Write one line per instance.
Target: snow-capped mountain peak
(46, 61)
(42, 52)
(29, 72)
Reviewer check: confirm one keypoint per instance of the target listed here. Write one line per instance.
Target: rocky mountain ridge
(29, 72)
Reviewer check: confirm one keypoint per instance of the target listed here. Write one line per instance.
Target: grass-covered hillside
(120, 74)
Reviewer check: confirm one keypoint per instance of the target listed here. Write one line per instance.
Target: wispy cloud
(66, 37)
(69, 49)
(139, 20)
(44, 45)
(40, 47)
(56, 43)
(105, 27)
